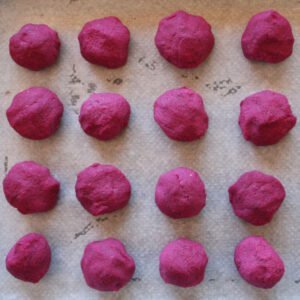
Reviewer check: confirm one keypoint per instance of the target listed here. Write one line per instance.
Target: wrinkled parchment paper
(143, 152)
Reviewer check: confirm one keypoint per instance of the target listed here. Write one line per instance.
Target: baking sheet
(143, 152)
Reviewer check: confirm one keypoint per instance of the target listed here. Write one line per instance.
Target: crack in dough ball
(35, 113)
(104, 115)
(258, 263)
(256, 197)
(35, 46)
(180, 113)
(29, 259)
(30, 188)
(180, 193)
(106, 265)
(184, 40)
(268, 37)
(102, 189)
(105, 42)
(182, 262)
(266, 117)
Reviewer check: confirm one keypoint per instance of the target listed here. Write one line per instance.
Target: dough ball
(105, 42)
(265, 118)
(106, 265)
(258, 263)
(34, 46)
(184, 40)
(182, 262)
(104, 115)
(180, 193)
(102, 189)
(35, 113)
(256, 197)
(268, 37)
(29, 259)
(180, 113)
(30, 188)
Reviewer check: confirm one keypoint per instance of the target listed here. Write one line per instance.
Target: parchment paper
(143, 152)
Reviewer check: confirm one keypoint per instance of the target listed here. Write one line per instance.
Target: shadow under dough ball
(106, 265)
(105, 42)
(180, 113)
(180, 193)
(255, 197)
(29, 259)
(102, 189)
(35, 113)
(184, 40)
(34, 46)
(30, 188)
(182, 262)
(258, 263)
(104, 115)
(268, 37)
(266, 117)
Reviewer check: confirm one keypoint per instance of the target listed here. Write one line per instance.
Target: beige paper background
(143, 152)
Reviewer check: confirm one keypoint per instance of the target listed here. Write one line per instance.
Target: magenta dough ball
(256, 197)
(180, 113)
(266, 117)
(268, 37)
(104, 115)
(105, 42)
(29, 259)
(35, 113)
(182, 262)
(180, 193)
(258, 263)
(106, 265)
(34, 46)
(102, 189)
(184, 40)
(30, 188)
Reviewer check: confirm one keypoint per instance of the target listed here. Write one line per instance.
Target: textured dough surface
(266, 117)
(29, 259)
(255, 197)
(105, 42)
(258, 263)
(182, 262)
(268, 37)
(35, 113)
(184, 40)
(30, 188)
(104, 115)
(180, 193)
(106, 265)
(180, 113)
(102, 189)
(34, 46)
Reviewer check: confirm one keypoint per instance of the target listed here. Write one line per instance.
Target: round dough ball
(268, 37)
(102, 189)
(34, 46)
(104, 115)
(180, 193)
(29, 259)
(106, 265)
(182, 262)
(258, 263)
(105, 42)
(184, 40)
(266, 117)
(180, 113)
(256, 197)
(35, 113)
(30, 188)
